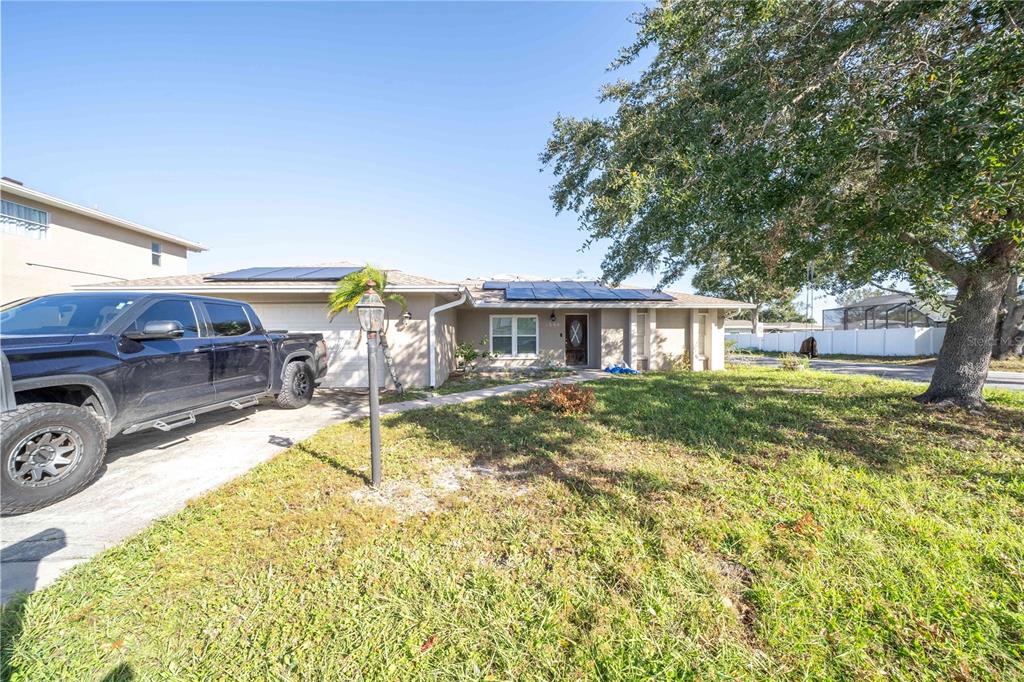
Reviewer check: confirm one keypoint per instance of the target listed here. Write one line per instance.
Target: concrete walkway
(1013, 381)
(151, 474)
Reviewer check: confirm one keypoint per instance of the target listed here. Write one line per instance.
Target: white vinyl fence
(905, 341)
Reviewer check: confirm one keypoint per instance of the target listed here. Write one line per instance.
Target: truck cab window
(179, 311)
(227, 319)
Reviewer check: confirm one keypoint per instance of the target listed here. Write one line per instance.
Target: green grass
(472, 382)
(749, 524)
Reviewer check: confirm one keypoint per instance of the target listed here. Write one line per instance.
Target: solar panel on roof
(641, 295)
(283, 275)
(520, 292)
(238, 275)
(628, 294)
(596, 292)
(572, 290)
(327, 274)
(547, 291)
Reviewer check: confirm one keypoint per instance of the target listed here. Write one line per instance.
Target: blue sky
(286, 133)
(404, 134)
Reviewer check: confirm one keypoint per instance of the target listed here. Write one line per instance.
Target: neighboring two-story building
(51, 245)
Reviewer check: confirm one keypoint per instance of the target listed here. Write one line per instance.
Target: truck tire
(296, 386)
(50, 451)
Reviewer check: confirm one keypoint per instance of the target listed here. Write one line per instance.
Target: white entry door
(346, 347)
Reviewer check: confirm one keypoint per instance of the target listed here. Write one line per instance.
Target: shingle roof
(495, 296)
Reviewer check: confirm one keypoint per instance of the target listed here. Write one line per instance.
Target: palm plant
(346, 296)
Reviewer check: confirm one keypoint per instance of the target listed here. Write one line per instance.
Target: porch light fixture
(371, 320)
(553, 318)
(371, 311)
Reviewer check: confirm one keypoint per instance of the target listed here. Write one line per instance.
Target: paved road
(1013, 381)
(151, 474)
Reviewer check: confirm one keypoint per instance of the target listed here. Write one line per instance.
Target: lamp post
(371, 320)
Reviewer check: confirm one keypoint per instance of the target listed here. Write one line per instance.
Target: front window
(63, 314)
(175, 310)
(23, 220)
(514, 335)
(155, 252)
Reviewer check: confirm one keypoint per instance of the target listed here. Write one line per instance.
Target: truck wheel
(296, 386)
(50, 451)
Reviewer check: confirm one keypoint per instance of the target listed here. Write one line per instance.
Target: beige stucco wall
(615, 337)
(446, 342)
(668, 343)
(78, 250)
(474, 328)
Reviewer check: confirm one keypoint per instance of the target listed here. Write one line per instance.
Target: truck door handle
(202, 349)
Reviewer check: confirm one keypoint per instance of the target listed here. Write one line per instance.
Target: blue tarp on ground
(620, 370)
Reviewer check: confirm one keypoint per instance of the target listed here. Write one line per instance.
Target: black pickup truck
(84, 367)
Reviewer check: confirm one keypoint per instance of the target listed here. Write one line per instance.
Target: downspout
(431, 343)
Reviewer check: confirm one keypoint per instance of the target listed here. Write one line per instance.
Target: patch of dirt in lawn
(737, 579)
(423, 496)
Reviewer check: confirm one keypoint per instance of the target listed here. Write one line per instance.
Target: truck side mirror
(157, 329)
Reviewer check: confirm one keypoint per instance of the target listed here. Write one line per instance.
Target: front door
(576, 340)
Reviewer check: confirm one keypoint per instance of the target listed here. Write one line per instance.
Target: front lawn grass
(749, 524)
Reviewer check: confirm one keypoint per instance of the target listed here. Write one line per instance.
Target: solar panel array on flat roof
(572, 291)
(331, 274)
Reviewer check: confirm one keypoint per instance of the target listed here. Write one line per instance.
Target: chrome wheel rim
(45, 456)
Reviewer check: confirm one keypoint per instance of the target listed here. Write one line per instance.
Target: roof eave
(43, 198)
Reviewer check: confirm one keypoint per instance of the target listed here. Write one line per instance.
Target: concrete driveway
(151, 474)
(1013, 381)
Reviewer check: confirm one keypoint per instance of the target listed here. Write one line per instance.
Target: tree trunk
(1009, 336)
(755, 317)
(962, 365)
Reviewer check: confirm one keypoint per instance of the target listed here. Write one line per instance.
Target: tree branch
(941, 261)
(890, 289)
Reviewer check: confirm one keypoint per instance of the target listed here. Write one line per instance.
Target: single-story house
(519, 324)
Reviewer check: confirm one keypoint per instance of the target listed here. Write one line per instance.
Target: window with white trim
(514, 335)
(23, 220)
(155, 251)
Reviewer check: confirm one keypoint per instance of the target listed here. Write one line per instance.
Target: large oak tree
(880, 140)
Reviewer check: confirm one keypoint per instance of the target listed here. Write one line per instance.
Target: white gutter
(431, 343)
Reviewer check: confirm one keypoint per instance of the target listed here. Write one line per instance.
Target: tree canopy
(723, 278)
(879, 140)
